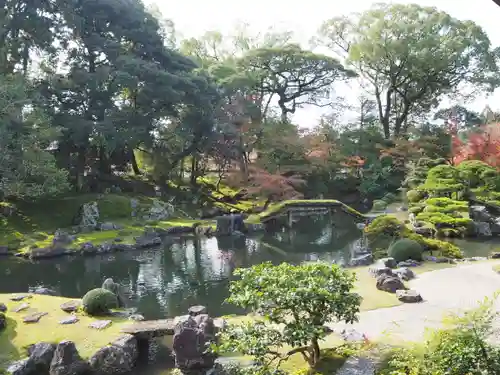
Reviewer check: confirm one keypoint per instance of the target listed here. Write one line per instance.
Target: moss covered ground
(33, 224)
(18, 335)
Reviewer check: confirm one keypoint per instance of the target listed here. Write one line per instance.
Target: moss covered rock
(99, 301)
(405, 249)
(379, 205)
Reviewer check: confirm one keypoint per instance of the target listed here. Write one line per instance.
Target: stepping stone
(21, 307)
(34, 318)
(71, 306)
(409, 296)
(100, 324)
(71, 320)
(20, 297)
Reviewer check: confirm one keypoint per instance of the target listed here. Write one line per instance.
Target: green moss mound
(379, 205)
(386, 229)
(405, 249)
(414, 196)
(99, 301)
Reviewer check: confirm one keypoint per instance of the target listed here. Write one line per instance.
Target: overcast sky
(193, 18)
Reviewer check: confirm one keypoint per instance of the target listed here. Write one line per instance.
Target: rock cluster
(193, 333)
(391, 275)
(63, 359)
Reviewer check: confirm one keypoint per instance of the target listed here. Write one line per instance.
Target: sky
(192, 18)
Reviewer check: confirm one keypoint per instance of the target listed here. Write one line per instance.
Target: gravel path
(444, 291)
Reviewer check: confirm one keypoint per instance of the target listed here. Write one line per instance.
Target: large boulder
(409, 296)
(67, 361)
(405, 273)
(389, 262)
(22, 367)
(389, 283)
(41, 354)
(192, 335)
(118, 358)
(363, 260)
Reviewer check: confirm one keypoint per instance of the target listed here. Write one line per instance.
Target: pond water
(166, 281)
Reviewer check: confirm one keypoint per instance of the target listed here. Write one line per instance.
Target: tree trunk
(194, 172)
(133, 161)
(315, 355)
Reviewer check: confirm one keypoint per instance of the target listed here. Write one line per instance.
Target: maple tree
(480, 144)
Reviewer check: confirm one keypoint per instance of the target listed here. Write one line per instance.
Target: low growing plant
(461, 348)
(295, 303)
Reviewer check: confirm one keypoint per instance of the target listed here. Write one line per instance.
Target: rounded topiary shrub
(414, 196)
(405, 249)
(99, 301)
(379, 205)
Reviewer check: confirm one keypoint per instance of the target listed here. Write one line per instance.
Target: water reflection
(166, 281)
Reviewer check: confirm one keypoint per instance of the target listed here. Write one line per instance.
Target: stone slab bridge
(293, 208)
(148, 330)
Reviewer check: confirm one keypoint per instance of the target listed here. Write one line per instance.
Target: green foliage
(99, 301)
(417, 54)
(383, 225)
(445, 205)
(443, 220)
(300, 298)
(477, 173)
(446, 249)
(405, 249)
(414, 196)
(27, 170)
(386, 229)
(442, 179)
(416, 209)
(389, 198)
(463, 347)
(379, 205)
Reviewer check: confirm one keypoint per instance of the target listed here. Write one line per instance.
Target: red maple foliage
(273, 187)
(483, 144)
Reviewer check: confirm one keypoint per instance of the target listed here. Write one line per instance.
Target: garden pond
(166, 281)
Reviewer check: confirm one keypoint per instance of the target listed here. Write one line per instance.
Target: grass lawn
(18, 335)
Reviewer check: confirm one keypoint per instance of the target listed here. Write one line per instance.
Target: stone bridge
(306, 207)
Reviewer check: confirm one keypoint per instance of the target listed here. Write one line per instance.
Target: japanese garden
(163, 211)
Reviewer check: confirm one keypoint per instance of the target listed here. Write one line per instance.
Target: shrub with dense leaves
(461, 348)
(405, 249)
(99, 301)
(295, 302)
(385, 229)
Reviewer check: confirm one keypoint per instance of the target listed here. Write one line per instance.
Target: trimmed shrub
(99, 301)
(414, 196)
(405, 249)
(379, 205)
(415, 210)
